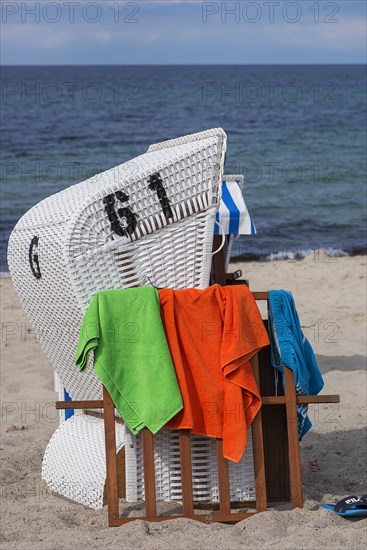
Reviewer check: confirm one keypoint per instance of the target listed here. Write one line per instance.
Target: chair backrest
(148, 221)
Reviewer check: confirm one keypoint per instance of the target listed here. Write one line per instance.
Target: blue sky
(62, 32)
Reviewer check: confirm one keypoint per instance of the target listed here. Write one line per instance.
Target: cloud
(29, 37)
(346, 34)
(103, 36)
(174, 32)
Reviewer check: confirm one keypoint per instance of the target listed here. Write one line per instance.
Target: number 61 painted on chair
(125, 213)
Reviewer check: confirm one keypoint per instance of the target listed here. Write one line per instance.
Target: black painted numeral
(156, 184)
(124, 213)
(33, 258)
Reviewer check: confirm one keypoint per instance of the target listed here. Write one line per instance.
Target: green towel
(131, 356)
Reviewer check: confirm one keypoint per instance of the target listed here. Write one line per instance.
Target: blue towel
(290, 347)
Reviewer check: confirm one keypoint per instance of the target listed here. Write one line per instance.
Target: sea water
(297, 133)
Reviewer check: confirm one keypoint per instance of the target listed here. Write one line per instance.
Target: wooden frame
(225, 514)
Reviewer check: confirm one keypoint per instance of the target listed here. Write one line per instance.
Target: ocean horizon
(296, 132)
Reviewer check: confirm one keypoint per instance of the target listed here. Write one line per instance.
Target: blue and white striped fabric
(233, 214)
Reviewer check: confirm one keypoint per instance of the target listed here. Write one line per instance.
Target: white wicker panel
(204, 469)
(79, 254)
(191, 174)
(51, 306)
(59, 389)
(74, 463)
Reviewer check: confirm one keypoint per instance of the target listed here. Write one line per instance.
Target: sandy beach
(330, 294)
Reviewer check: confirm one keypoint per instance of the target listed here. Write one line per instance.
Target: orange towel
(212, 334)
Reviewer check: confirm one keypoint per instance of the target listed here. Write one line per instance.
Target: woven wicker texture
(74, 464)
(204, 469)
(116, 230)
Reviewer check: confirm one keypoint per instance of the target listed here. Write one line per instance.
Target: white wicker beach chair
(148, 221)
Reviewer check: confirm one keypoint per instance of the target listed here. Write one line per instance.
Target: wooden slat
(293, 442)
(97, 414)
(149, 474)
(302, 399)
(267, 400)
(223, 480)
(205, 518)
(235, 505)
(258, 449)
(79, 404)
(121, 476)
(318, 399)
(218, 261)
(260, 295)
(275, 438)
(186, 472)
(111, 461)
(236, 282)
